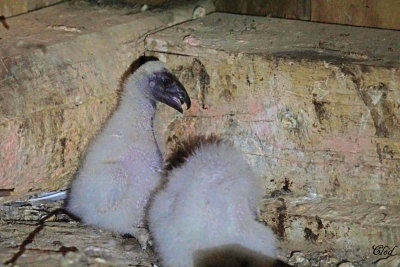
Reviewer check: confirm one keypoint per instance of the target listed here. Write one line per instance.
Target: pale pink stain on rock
(351, 146)
(195, 108)
(264, 125)
(346, 144)
(192, 41)
(254, 106)
(262, 128)
(96, 105)
(58, 171)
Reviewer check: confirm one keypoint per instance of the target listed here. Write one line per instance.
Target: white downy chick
(206, 210)
(122, 166)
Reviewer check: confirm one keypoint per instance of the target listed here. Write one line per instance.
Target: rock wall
(308, 119)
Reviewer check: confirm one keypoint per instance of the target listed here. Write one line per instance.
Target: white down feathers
(210, 201)
(122, 166)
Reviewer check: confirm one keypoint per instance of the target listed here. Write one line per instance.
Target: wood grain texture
(10, 8)
(293, 9)
(371, 13)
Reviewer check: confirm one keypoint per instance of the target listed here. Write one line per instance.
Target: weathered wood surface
(369, 13)
(58, 80)
(290, 9)
(10, 8)
(61, 241)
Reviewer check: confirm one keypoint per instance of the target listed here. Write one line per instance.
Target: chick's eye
(166, 82)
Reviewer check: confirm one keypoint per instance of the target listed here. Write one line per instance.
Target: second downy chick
(207, 209)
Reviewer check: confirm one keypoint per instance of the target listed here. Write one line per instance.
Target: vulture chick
(205, 212)
(122, 166)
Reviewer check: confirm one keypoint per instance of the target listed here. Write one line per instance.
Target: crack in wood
(40, 225)
(4, 22)
(219, 116)
(63, 250)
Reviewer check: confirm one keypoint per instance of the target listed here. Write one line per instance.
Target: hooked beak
(176, 96)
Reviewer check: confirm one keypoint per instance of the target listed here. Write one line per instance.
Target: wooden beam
(370, 13)
(293, 9)
(9, 8)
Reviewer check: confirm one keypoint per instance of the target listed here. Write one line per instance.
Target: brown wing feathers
(186, 148)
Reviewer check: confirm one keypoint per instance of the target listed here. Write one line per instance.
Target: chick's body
(122, 167)
(209, 201)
